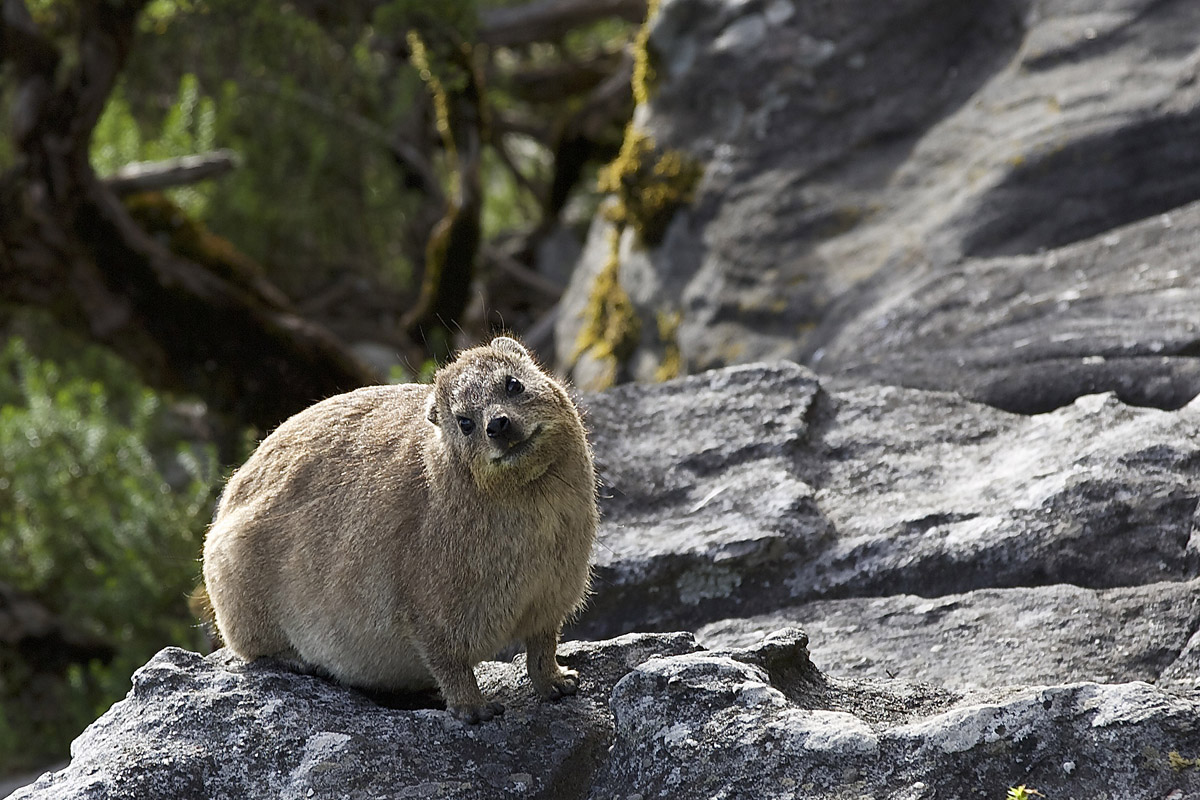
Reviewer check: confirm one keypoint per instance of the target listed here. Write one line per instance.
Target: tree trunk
(453, 245)
(69, 245)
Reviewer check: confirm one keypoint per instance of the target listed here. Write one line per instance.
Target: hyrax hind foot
(565, 683)
(551, 681)
(456, 680)
(474, 714)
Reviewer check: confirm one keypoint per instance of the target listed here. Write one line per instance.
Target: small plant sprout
(1022, 792)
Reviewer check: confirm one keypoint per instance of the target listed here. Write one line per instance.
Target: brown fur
(371, 539)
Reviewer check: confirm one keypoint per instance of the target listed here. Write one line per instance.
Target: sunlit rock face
(993, 200)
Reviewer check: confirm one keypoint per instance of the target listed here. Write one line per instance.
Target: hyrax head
(498, 413)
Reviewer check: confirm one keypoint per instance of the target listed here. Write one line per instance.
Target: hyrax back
(395, 536)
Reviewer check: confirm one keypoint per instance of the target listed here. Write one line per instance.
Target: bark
(538, 21)
(556, 83)
(68, 244)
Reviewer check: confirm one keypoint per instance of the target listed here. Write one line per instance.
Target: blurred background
(214, 213)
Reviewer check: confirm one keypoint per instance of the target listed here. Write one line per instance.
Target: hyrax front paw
(565, 683)
(474, 714)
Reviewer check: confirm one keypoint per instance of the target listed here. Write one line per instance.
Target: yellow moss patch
(419, 56)
(1179, 763)
(644, 76)
(611, 328)
(650, 185)
(668, 333)
(1022, 792)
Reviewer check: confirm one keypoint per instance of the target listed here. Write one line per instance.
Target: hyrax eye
(466, 425)
(513, 387)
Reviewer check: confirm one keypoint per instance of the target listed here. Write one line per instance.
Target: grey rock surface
(992, 199)
(655, 717)
(196, 727)
(1035, 635)
(993, 599)
(762, 722)
(752, 488)
(1030, 333)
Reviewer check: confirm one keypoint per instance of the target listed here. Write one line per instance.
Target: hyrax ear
(511, 346)
(431, 411)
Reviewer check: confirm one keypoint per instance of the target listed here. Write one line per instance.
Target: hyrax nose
(498, 427)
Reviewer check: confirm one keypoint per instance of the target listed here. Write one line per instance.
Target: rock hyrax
(395, 536)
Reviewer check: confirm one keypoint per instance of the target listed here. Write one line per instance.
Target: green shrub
(102, 516)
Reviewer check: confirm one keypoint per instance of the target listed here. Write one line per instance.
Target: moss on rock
(671, 365)
(650, 185)
(645, 75)
(611, 327)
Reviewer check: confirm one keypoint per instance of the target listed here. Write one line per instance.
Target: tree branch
(67, 243)
(522, 274)
(556, 82)
(496, 140)
(153, 176)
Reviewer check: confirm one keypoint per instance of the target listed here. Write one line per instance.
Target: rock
(743, 723)
(703, 509)
(1032, 333)
(936, 195)
(655, 717)
(11, 783)
(1035, 635)
(218, 727)
(750, 489)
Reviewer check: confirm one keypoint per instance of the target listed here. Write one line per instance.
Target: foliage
(101, 519)
(1022, 793)
(188, 127)
(506, 204)
(311, 109)
(424, 373)
(399, 16)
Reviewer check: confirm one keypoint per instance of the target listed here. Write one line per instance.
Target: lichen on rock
(612, 327)
(650, 183)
